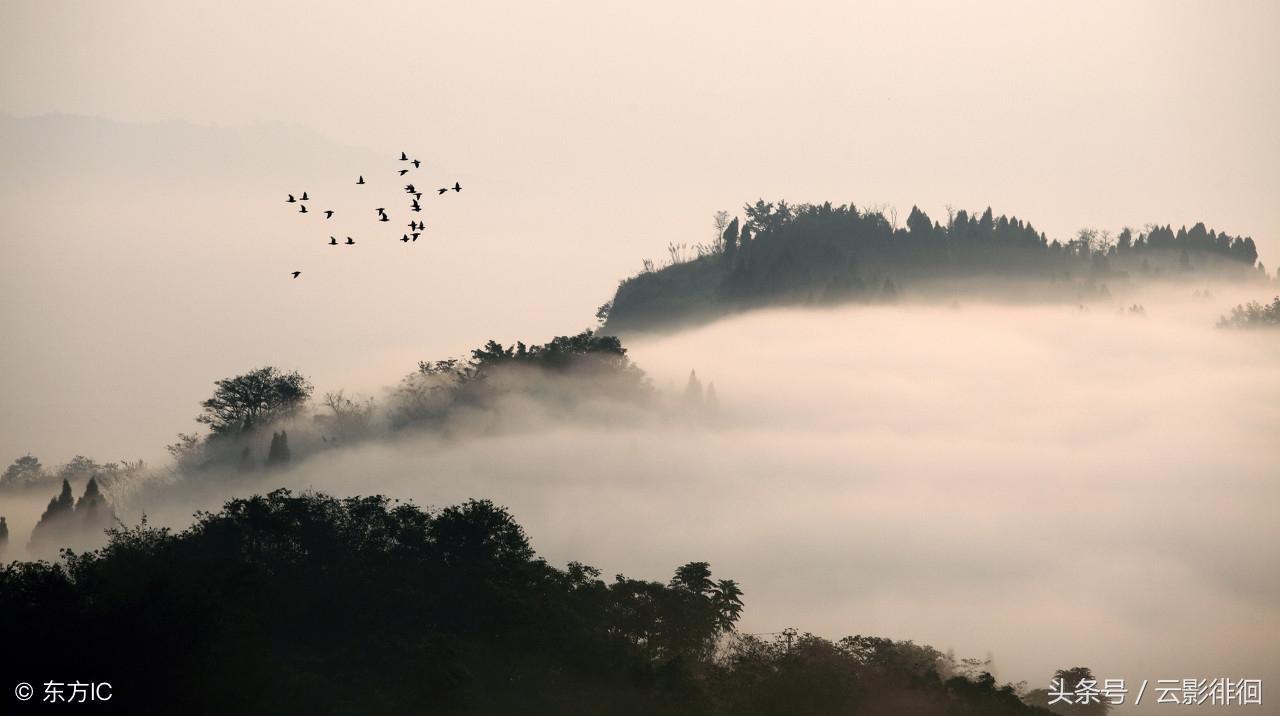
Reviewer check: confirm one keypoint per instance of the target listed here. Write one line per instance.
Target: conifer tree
(53, 522)
(693, 391)
(92, 511)
(278, 455)
(730, 240)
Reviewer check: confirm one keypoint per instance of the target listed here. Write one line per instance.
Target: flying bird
(415, 206)
(333, 241)
(404, 157)
(403, 172)
(417, 195)
(304, 197)
(328, 214)
(443, 190)
(360, 180)
(416, 163)
(297, 274)
(408, 188)
(415, 236)
(302, 208)
(384, 218)
(291, 199)
(351, 241)
(405, 238)
(457, 186)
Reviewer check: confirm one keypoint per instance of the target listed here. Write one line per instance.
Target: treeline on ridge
(305, 603)
(781, 254)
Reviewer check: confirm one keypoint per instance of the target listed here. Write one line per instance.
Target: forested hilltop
(779, 254)
(288, 603)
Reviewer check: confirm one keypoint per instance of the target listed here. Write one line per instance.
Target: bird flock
(415, 225)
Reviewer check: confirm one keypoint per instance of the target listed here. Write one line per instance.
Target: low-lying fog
(1049, 485)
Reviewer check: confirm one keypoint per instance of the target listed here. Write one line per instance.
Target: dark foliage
(1253, 315)
(828, 254)
(256, 398)
(308, 604)
(24, 472)
(560, 373)
(278, 454)
(68, 521)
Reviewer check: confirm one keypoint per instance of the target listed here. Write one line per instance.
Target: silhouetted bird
(304, 197)
(415, 236)
(417, 195)
(443, 190)
(404, 157)
(297, 274)
(415, 206)
(360, 180)
(384, 218)
(328, 214)
(408, 188)
(333, 241)
(291, 199)
(416, 163)
(302, 208)
(405, 238)
(403, 172)
(350, 241)
(457, 186)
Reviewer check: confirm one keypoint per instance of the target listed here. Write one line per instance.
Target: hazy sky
(654, 114)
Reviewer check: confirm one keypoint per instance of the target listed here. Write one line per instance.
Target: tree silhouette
(23, 472)
(53, 522)
(92, 512)
(693, 392)
(278, 454)
(313, 604)
(813, 253)
(258, 397)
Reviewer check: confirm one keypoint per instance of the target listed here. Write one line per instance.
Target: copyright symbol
(23, 691)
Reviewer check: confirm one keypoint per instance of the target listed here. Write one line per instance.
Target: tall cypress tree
(730, 238)
(278, 455)
(52, 525)
(92, 511)
(693, 391)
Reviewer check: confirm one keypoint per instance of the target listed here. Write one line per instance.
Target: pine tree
(730, 240)
(278, 455)
(693, 391)
(92, 511)
(52, 525)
